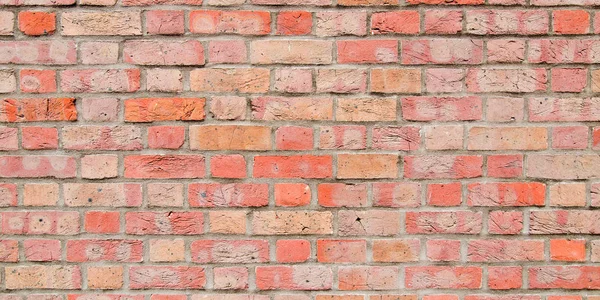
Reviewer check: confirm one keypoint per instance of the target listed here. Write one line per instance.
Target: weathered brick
(230, 137)
(101, 23)
(243, 80)
(164, 109)
(312, 52)
(236, 22)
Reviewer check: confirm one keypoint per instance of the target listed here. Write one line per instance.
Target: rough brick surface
(299, 149)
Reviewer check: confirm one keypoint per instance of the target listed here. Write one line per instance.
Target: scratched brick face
(299, 150)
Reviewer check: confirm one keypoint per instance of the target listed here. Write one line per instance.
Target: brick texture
(299, 150)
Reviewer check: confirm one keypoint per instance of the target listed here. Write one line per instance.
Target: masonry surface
(299, 150)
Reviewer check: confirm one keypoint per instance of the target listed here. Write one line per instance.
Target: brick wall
(299, 150)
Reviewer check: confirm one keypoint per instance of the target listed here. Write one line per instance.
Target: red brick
(505, 277)
(39, 138)
(505, 166)
(37, 22)
(166, 137)
(37, 81)
(571, 21)
(401, 22)
(292, 251)
(567, 250)
(228, 166)
(164, 166)
(181, 223)
(164, 109)
(292, 194)
(102, 222)
(294, 23)
(294, 138)
(444, 194)
(38, 110)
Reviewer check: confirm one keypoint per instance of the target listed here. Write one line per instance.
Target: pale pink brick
(493, 22)
(9, 251)
(228, 107)
(569, 79)
(230, 278)
(293, 80)
(442, 109)
(56, 52)
(113, 23)
(100, 81)
(41, 222)
(8, 81)
(570, 137)
(444, 137)
(343, 137)
(167, 22)
(505, 222)
(341, 80)
(506, 51)
(504, 109)
(9, 139)
(506, 80)
(406, 138)
(228, 51)
(8, 194)
(442, 80)
(7, 23)
(443, 21)
(100, 109)
(442, 51)
(99, 166)
(338, 23)
(150, 52)
(42, 250)
(164, 80)
(99, 53)
(165, 194)
(400, 194)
